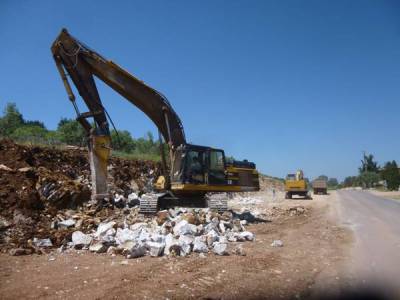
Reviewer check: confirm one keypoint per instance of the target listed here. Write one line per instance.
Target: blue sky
(286, 84)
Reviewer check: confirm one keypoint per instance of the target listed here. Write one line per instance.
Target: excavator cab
(198, 165)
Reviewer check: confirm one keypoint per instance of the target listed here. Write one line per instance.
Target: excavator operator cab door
(204, 166)
(216, 167)
(195, 166)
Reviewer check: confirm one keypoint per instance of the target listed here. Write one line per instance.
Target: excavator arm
(82, 64)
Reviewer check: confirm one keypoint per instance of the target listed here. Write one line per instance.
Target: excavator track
(148, 204)
(220, 205)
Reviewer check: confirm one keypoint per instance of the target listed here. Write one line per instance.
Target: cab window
(217, 161)
(216, 174)
(195, 166)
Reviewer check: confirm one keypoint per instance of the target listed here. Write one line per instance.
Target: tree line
(370, 174)
(70, 132)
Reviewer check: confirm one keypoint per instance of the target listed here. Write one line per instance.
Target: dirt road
(375, 256)
(313, 245)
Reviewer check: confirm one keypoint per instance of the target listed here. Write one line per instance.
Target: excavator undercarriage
(190, 173)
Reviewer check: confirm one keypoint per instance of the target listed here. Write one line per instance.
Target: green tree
(35, 123)
(350, 181)
(368, 164)
(71, 132)
(11, 120)
(368, 179)
(30, 133)
(391, 174)
(122, 141)
(333, 182)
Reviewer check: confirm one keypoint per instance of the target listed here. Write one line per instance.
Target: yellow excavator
(191, 172)
(296, 184)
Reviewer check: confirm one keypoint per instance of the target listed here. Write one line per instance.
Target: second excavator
(189, 173)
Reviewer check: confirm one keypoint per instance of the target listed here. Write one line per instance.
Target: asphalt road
(375, 222)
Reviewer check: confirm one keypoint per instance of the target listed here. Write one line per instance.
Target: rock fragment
(66, 223)
(79, 239)
(42, 242)
(199, 245)
(98, 247)
(277, 243)
(155, 248)
(220, 248)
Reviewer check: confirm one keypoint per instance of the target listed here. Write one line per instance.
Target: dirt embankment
(37, 184)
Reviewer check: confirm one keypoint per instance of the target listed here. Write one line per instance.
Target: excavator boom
(82, 64)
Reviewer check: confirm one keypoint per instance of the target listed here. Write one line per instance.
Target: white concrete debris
(137, 250)
(186, 242)
(66, 223)
(174, 232)
(247, 235)
(184, 228)
(42, 242)
(79, 239)
(199, 245)
(124, 235)
(220, 248)
(155, 248)
(98, 247)
(170, 243)
(277, 243)
(103, 228)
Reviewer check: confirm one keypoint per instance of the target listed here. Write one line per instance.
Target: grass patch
(136, 156)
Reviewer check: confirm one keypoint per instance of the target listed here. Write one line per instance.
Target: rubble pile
(41, 187)
(176, 232)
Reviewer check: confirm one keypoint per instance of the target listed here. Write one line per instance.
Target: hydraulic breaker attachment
(99, 152)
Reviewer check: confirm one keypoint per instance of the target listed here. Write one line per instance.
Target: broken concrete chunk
(98, 247)
(186, 241)
(103, 228)
(66, 223)
(42, 242)
(277, 243)
(247, 235)
(155, 249)
(170, 244)
(138, 225)
(124, 235)
(79, 239)
(184, 228)
(109, 236)
(212, 236)
(222, 239)
(199, 245)
(137, 251)
(220, 248)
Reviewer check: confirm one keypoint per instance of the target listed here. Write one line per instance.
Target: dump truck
(189, 171)
(295, 184)
(320, 186)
